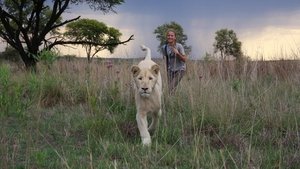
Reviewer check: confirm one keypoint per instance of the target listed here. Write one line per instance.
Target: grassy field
(224, 115)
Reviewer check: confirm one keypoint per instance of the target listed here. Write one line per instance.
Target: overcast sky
(268, 28)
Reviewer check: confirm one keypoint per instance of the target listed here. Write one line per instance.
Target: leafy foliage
(161, 31)
(227, 43)
(92, 30)
(12, 102)
(47, 57)
(100, 5)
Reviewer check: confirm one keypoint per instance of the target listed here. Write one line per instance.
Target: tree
(227, 43)
(26, 25)
(93, 31)
(160, 32)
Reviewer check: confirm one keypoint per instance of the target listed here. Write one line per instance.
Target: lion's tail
(148, 54)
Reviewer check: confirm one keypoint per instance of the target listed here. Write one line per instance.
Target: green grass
(63, 117)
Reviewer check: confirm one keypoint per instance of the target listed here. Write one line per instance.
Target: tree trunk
(222, 55)
(29, 61)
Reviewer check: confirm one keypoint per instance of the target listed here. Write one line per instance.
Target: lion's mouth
(144, 94)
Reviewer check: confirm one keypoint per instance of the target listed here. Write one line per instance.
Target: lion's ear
(155, 69)
(135, 70)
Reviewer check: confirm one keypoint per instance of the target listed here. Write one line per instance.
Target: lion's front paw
(146, 141)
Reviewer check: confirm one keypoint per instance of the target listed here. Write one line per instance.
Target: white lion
(148, 93)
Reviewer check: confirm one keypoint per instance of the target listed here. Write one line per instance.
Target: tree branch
(65, 22)
(88, 43)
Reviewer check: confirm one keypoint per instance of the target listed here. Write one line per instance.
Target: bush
(10, 54)
(47, 57)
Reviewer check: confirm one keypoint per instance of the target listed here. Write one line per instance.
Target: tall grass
(79, 115)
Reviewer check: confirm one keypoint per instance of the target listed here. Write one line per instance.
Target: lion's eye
(140, 78)
(150, 78)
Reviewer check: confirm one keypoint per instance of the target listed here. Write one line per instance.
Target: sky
(268, 29)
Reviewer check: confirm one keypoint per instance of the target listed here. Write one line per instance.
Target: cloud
(128, 24)
(272, 43)
(274, 35)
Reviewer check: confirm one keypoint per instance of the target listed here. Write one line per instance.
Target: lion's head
(145, 79)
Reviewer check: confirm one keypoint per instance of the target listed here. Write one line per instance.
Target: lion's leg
(143, 128)
(154, 122)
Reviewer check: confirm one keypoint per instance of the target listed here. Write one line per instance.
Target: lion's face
(145, 79)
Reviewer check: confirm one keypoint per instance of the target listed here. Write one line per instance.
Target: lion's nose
(144, 88)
